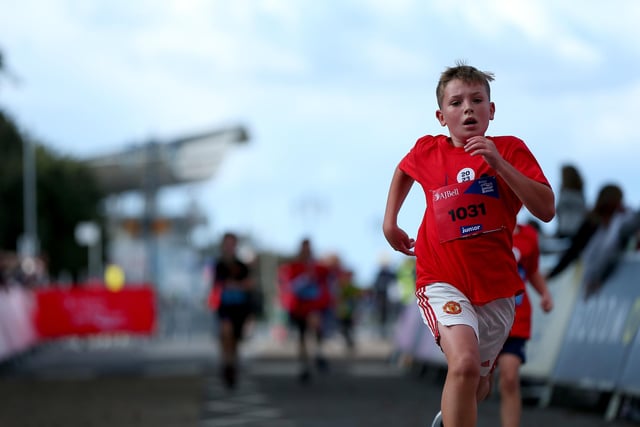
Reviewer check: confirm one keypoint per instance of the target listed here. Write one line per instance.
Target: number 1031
(470, 211)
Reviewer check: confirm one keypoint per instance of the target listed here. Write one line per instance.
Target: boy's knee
(509, 383)
(465, 366)
(226, 328)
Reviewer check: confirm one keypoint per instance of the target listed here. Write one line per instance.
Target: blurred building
(151, 247)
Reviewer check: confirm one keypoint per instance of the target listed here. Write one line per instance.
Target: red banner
(94, 310)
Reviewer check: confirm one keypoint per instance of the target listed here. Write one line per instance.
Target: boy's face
(229, 245)
(466, 110)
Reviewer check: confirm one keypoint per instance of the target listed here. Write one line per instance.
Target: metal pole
(150, 213)
(30, 238)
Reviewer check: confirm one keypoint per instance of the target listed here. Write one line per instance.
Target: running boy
(467, 276)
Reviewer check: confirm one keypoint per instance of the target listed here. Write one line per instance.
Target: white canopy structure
(148, 166)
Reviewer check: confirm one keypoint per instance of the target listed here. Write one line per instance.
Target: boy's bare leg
(510, 396)
(459, 395)
(484, 387)
(227, 342)
(229, 346)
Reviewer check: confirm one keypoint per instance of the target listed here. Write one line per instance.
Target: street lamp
(28, 243)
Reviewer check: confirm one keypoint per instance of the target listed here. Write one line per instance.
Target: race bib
(305, 288)
(231, 296)
(468, 209)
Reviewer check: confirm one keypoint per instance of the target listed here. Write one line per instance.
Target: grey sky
(334, 93)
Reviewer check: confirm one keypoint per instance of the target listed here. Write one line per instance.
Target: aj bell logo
(445, 194)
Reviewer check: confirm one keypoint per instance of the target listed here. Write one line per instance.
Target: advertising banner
(94, 310)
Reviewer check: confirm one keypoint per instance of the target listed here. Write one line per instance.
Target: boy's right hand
(400, 241)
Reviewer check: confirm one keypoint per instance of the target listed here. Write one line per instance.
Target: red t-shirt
(527, 253)
(304, 287)
(477, 256)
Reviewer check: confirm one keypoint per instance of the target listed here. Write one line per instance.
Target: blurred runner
(305, 294)
(348, 296)
(230, 299)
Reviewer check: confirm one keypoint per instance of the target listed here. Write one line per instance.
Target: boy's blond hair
(467, 74)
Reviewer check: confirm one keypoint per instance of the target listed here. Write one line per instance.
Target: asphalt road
(175, 383)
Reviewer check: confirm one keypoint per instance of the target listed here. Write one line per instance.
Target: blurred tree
(10, 183)
(67, 193)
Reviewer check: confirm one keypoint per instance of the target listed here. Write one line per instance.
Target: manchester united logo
(452, 307)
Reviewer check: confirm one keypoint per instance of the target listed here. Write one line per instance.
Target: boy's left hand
(483, 146)
(546, 302)
(400, 241)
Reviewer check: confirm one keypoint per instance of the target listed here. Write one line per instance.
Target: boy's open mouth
(470, 122)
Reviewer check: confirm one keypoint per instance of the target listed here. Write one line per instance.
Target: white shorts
(445, 304)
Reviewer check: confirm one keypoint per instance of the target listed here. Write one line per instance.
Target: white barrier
(17, 332)
(629, 379)
(412, 337)
(548, 329)
(591, 343)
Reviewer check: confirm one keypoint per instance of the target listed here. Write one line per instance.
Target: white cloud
(398, 9)
(393, 61)
(611, 21)
(612, 124)
(537, 21)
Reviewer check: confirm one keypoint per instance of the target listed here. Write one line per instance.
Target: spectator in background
(406, 276)
(596, 238)
(304, 286)
(571, 206)
(627, 238)
(230, 298)
(5, 267)
(384, 281)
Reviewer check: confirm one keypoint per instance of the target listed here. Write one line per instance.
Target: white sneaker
(437, 421)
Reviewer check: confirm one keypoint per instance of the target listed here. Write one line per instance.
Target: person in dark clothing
(608, 202)
(600, 239)
(383, 281)
(230, 298)
(571, 207)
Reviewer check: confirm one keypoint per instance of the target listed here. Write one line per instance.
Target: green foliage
(66, 192)
(10, 183)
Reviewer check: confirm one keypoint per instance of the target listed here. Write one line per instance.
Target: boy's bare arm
(540, 285)
(538, 198)
(401, 183)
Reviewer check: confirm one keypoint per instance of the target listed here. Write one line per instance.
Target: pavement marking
(72, 374)
(290, 369)
(375, 371)
(243, 406)
(168, 369)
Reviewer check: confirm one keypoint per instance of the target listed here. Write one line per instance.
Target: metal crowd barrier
(585, 342)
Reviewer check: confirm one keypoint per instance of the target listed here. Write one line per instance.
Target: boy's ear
(492, 108)
(440, 118)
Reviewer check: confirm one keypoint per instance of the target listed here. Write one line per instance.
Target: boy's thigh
(442, 303)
